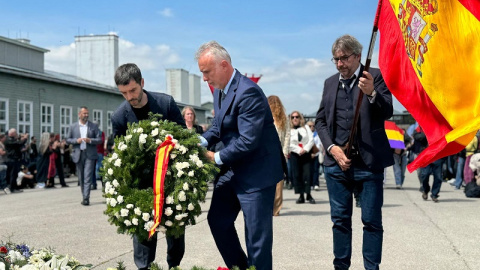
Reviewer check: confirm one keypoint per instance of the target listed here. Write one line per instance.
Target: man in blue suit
(371, 153)
(252, 161)
(138, 103)
(84, 136)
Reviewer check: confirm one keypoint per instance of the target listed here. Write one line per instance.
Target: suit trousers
(144, 252)
(85, 170)
(257, 208)
(341, 186)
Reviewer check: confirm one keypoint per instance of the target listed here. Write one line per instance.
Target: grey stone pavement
(418, 234)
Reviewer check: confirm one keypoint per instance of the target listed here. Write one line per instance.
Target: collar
(225, 91)
(356, 73)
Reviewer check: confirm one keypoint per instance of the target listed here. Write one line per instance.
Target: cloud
(166, 12)
(61, 59)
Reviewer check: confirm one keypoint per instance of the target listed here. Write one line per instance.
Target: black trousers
(144, 252)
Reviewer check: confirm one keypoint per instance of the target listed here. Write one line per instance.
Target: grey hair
(126, 72)
(215, 49)
(347, 43)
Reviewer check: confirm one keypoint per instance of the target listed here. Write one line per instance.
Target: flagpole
(353, 131)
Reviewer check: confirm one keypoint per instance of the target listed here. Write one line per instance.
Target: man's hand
(340, 157)
(210, 156)
(366, 84)
(302, 152)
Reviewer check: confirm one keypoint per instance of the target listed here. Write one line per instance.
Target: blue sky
(288, 42)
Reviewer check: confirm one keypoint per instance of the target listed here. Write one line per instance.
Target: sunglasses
(295, 116)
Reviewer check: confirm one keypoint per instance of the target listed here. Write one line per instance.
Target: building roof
(57, 77)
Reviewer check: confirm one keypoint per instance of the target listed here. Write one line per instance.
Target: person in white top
(301, 142)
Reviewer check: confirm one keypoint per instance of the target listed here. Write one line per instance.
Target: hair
(278, 111)
(184, 111)
(302, 120)
(127, 72)
(347, 43)
(2, 135)
(44, 142)
(213, 47)
(83, 107)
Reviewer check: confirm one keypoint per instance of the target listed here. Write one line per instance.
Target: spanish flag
(395, 135)
(430, 61)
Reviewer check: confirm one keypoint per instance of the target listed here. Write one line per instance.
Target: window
(3, 115)
(46, 118)
(97, 117)
(109, 124)
(24, 116)
(65, 120)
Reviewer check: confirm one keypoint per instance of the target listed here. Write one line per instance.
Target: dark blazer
(92, 132)
(159, 103)
(244, 124)
(371, 137)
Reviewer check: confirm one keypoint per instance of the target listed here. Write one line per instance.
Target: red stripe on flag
(473, 6)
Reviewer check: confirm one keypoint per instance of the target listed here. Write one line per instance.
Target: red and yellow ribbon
(161, 164)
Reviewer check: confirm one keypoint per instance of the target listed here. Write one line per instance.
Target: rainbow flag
(430, 61)
(394, 135)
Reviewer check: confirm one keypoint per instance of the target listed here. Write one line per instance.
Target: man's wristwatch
(374, 93)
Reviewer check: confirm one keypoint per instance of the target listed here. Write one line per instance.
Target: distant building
(182, 86)
(96, 57)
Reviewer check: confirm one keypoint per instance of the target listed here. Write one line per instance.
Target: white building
(183, 87)
(97, 57)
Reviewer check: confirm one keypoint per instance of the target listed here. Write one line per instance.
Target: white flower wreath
(128, 176)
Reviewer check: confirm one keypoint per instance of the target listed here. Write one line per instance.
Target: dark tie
(222, 97)
(347, 83)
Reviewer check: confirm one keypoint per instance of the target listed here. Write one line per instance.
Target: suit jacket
(159, 103)
(244, 123)
(371, 137)
(92, 132)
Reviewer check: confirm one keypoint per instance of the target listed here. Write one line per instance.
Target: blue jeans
(340, 187)
(459, 176)
(435, 169)
(3, 176)
(399, 168)
(98, 165)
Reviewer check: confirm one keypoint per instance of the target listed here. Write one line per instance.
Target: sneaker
(451, 181)
(398, 187)
(40, 185)
(316, 188)
(7, 190)
(424, 196)
(435, 199)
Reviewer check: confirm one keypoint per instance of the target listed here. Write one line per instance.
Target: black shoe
(424, 196)
(16, 190)
(93, 188)
(301, 200)
(85, 202)
(310, 199)
(358, 204)
(65, 185)
(435, 199)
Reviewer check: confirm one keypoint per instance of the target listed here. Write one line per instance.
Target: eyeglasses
(295, 116)
(342, 59)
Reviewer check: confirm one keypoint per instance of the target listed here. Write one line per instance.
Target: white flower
(191, 173)
(111, 191)
(127, 223)
(120, 199)
(117, 215)
(124, 212)
(180, 173)
(194, 190)
(194, 158)
(135, 221)
(158, 141)
(110, 171)
(122, 146)
(107, 200)
(139, 130)
(128, 137)
(137, 211)
(143, 138)
(154, 132)
(181, 196)
(168, 223)
(168, 211)
(178, 217)
(178, 207)
(115, 183)
(163, 132)
(154, 123)
(199, 164)
(185, 185)
(173, 156)
(169, 200)
(114, 156)
(190, 207)
(113, 202)
(130, 206)
(108, 185)
(145, 216)
(148, 226)
(182, 149)
(181, 223)
(118, 163)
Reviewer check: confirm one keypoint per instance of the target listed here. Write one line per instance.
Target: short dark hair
(127, 72)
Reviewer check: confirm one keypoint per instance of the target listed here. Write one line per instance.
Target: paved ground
(418, 234)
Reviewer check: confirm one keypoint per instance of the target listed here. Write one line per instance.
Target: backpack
(472, 190)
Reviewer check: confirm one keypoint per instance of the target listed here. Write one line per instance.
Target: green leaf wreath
(131, 165)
